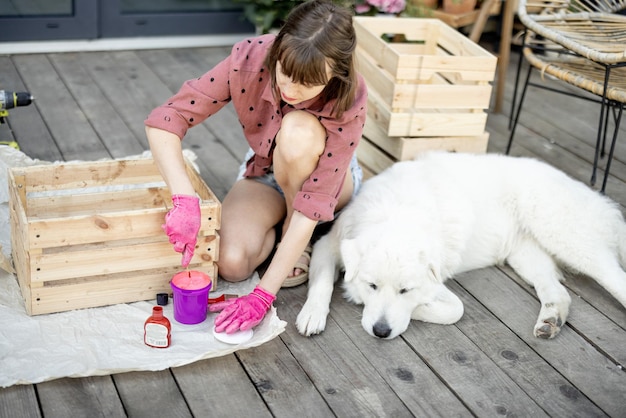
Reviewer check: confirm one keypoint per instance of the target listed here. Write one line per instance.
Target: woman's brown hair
(315, 33)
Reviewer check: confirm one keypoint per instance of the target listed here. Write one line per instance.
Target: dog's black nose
(382, 329)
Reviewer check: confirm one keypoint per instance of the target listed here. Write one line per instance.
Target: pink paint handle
(191, 280)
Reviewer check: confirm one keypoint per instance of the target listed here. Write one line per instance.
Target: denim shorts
(270, 180)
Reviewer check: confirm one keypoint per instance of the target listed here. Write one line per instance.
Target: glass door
(38, 20)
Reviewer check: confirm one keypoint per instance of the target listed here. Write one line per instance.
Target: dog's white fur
(421, 222)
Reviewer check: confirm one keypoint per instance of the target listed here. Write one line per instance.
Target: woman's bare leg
(299, 145)
(250, 211)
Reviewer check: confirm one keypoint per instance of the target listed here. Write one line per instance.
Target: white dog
(421, 222)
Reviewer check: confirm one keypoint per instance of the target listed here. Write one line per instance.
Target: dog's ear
(351, 258)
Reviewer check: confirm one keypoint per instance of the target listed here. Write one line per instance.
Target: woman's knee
(301, 136)
(234, 265)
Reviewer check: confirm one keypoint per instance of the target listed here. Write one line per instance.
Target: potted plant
(266, 15)
(420, 8)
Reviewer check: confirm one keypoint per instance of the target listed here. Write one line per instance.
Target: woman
(302, 108)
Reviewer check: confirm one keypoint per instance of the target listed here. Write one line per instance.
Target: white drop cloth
(98, 341)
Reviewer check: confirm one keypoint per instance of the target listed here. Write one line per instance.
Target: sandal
(293, 281)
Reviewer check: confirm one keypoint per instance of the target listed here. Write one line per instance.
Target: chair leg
(517, 74)
(519, 110)
(617, 121)
(601, 125)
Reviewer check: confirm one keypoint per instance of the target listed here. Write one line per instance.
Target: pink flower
(388, 6)
(362, 8)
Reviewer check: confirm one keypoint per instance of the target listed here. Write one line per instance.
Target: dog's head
(396, 282)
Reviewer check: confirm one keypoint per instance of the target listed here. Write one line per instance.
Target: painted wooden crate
(429, 87)
(89, 234)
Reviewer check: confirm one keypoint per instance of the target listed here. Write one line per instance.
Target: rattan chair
(582, 43)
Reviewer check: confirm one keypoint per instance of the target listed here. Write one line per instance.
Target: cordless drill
(11, 99)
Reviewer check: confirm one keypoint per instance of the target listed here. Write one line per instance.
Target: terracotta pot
(458, 6)
(428, 4)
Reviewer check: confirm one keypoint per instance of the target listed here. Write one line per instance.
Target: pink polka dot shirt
(243, 78)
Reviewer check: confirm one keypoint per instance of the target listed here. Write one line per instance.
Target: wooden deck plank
(550, 390)
(103, 115)
(342, 375)
(219, 387)
(19, 401)
(571, 354)
(94, 396)
(481, 385)
(29, 128)
(280, 378)
(598, 297)
(148, 394)
(399, 365)
(68, 124)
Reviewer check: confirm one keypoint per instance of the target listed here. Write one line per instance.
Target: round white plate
(239, 337)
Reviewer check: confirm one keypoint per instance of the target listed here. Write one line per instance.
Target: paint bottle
(157, 329)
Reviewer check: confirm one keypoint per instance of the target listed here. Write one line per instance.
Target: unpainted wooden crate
(429, 89)
(374, 159)
(89, 234)
(424, 78)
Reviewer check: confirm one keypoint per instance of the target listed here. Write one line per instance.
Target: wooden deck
(92, 105)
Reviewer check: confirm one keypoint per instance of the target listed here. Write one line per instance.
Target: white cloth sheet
(98, 341)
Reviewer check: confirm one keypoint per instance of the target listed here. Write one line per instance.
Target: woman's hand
(244, 312)
(182, 224)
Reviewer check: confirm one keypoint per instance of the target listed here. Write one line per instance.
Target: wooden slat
(424, 122)
(352, 374)
(231, 392)
(57, 107)
(403, 64)
(401, 367)
(104, 116)
(114, 257)
(107, 290)
(570, 354)
(19, 401)
(433, 90)
(64, 397)
(373, 157)
(548, 388)
(136, 387)
(93, 174)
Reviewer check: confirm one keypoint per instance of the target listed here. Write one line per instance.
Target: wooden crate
(429, 88)
(89, 234)
(430, 80)
(402, 148)
(374, 159)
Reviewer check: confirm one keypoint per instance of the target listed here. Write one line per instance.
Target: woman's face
(294, 93)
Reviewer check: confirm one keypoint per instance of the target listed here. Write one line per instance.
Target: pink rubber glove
(242, 313)
(182, 224)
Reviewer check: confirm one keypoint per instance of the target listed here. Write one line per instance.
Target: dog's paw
(548, 328)
(312, 318)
